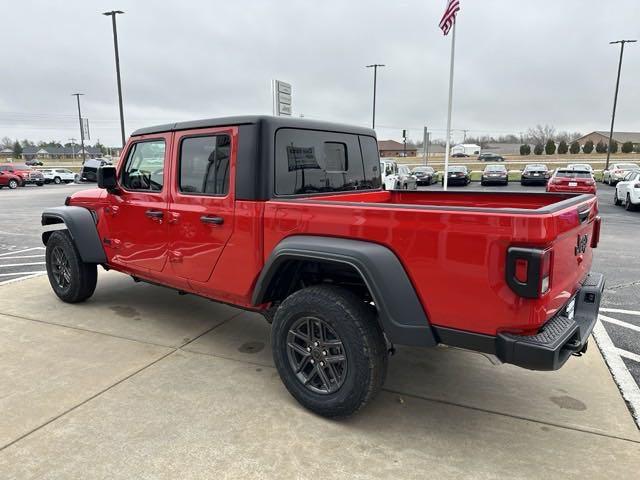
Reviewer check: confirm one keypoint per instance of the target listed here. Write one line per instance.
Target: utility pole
(464, 138)
(404, 143)
(113, 14)
(615, 96)
(84, 154)
(73, 147)
(425, 140)
(375, 79)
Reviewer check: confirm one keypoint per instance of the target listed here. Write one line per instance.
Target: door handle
(154, 214)
(212, 220)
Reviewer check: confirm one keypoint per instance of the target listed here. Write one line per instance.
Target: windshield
(621, 166)
(403, 169)
(423, 169)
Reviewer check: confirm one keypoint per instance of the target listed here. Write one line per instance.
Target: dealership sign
(281, 98)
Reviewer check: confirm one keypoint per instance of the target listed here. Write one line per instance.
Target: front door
(136, 217)
(201, 208)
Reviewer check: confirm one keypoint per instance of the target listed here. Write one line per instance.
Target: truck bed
(454, 245)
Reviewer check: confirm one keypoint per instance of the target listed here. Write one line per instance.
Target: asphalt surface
(617, 257)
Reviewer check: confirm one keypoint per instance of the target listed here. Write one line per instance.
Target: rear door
(201, 209)
(136, 217)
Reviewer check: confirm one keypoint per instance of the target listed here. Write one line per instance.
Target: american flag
(449, 17)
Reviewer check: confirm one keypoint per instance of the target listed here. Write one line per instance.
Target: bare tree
(540, 134)
(6, 142)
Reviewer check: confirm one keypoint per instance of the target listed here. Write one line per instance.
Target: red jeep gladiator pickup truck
(287, 217)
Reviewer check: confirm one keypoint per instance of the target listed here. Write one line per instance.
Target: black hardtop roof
(273, 122)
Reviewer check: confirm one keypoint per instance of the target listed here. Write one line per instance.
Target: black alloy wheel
(60, 268)
(316, 355)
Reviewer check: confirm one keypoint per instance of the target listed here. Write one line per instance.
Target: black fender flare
(81, 226)
(400, 311)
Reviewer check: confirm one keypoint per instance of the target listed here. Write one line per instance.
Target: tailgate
(551, 273)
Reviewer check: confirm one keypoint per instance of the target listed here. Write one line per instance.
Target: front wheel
(72, 280)
(13, 184)
(616, 201)
(57, 180)
(329, 350)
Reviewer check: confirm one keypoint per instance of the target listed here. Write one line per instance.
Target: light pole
(615, 96)
(84, 155)
(113, 14)
(375, 79)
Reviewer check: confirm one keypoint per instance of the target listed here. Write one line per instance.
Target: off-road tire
(364, 346)
(82, 277)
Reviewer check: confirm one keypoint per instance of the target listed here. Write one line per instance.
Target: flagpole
(446, 151)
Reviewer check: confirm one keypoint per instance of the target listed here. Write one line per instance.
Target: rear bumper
(551, 347)
(560, 337)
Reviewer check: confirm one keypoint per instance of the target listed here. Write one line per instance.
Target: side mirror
(107, 178)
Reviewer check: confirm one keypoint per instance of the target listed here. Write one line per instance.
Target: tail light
(528, 271)
(595, 236)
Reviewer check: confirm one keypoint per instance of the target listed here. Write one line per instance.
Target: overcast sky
(518, 63)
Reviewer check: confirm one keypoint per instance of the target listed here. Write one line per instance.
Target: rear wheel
(57, 180)
(329, 350)
(72, 280)
(628, 205)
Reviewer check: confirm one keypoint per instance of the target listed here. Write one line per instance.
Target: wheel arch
(81, 225)
(400, 312)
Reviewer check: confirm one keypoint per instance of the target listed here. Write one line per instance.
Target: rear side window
(144, 169)
(204, 165)
(309, 161)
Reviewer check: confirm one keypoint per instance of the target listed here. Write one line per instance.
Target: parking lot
(139, 382)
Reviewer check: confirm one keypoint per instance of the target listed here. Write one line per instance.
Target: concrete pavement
(139, 382)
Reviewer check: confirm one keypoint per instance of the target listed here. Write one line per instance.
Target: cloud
(517, 64)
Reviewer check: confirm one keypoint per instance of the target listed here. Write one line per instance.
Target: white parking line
(21, 264)
(628, 386)
(20, 251)
(22, 273)
(19, 279)
(619, 310)
(630, 355)
(615, 321)
(22, 256)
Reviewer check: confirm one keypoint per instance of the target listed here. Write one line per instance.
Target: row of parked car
(14, 175)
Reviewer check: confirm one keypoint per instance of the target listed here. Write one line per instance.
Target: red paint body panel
(453, 245)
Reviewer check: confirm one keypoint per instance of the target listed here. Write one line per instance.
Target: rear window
(457, 169)
(495, 168)
(314, 162)
(572, 174)
(628, 166)
(20, 166)
(423, 169)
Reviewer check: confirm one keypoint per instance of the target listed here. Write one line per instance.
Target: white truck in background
(466, 150)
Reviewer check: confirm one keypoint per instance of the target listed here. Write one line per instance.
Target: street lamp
(113, 14)
(375, 77)
(84, 155)
(615, 96)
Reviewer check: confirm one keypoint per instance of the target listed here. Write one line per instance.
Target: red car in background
(568, 180)
(10, 180)
(24, 172)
